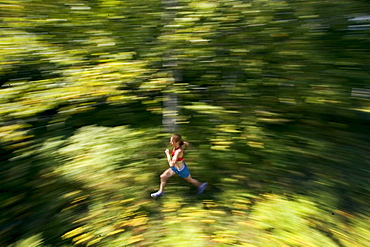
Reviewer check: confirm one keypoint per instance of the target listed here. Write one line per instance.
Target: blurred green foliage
(272, 95)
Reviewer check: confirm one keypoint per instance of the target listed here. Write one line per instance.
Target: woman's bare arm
(174, 158)
(186, 145)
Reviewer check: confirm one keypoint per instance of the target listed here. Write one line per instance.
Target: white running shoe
(157, 194)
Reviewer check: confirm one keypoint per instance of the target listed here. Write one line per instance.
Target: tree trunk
(170, 103)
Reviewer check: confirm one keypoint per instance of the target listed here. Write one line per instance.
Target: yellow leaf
(83, 238)
(136, 239)
(74, 232)
(95, 241)
(115, 232)
(208, 221)
(256, 144)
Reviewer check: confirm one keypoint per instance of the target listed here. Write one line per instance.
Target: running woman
(177, 165)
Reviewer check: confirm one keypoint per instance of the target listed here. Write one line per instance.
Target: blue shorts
(184, 172)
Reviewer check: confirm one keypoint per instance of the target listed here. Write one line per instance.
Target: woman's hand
(168, 157)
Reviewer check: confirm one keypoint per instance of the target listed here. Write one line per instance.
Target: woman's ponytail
(177, 138)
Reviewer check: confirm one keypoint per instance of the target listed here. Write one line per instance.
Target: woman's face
(172, 142)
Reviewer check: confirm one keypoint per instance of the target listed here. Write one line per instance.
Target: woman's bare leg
(164, 177)
(193, 181)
